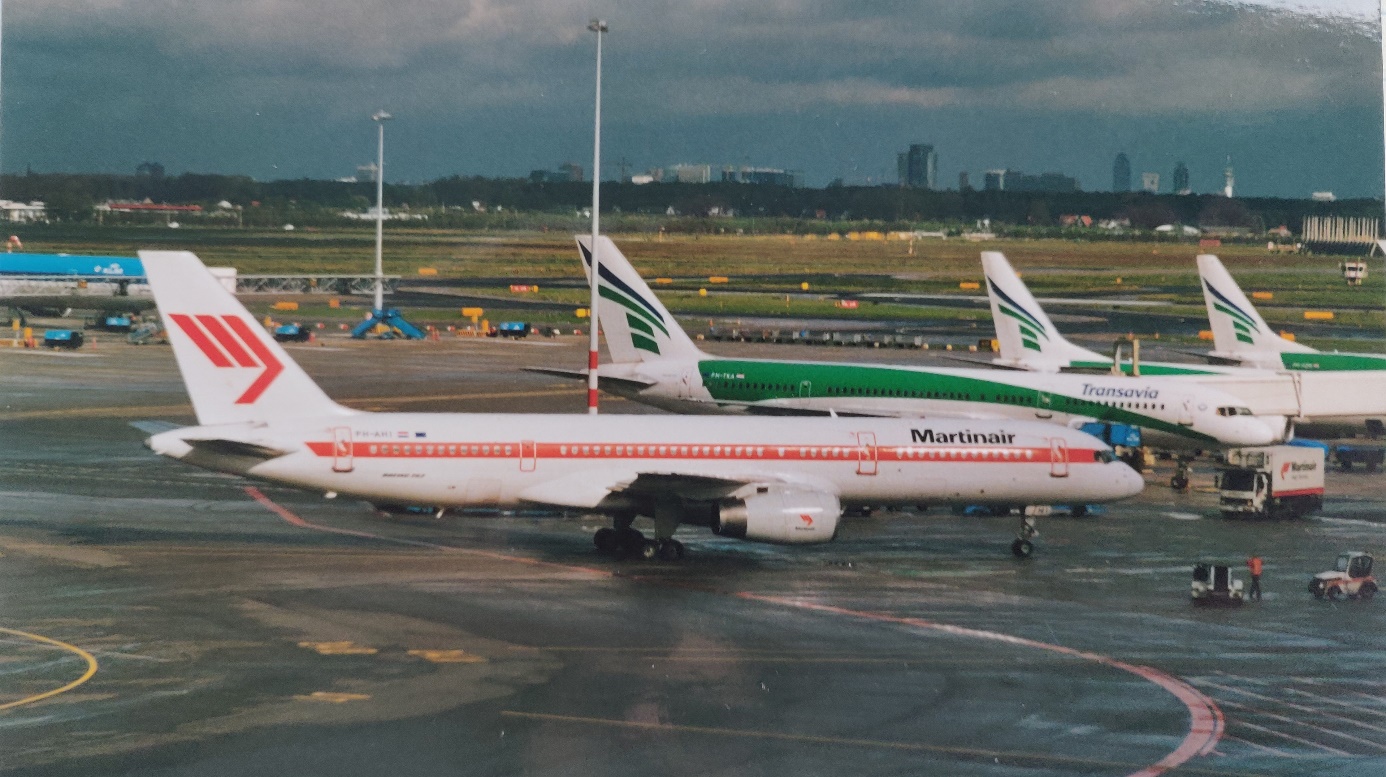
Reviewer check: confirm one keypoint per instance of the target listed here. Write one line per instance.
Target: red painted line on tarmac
(1206, 719)
(1206, 722)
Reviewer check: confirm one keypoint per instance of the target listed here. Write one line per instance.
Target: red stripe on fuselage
(701, 452)
(228, 341)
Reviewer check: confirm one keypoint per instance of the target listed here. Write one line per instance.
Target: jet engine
(779, 515)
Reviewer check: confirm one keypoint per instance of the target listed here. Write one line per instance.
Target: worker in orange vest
(1254, 564)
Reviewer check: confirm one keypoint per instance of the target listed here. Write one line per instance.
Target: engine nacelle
(779, 515)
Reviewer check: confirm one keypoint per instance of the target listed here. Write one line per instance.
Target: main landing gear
(622, 541)
(1182, 473)
(1023, 547)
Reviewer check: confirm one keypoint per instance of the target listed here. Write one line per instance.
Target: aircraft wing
(603, 381)
(588, 490)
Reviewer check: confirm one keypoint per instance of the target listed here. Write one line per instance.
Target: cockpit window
(1104, 457)
(1231, 411)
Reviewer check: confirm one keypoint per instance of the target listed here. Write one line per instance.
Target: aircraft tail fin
(1027, 337)
(638, 327)
(1239, 332)
(233, 370)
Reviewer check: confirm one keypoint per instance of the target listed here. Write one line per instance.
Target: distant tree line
(459, 201)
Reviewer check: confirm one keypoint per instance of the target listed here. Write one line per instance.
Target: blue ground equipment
(394, 322)
(292, 333)
(513, 329)
(1114, 434)
(62, 338)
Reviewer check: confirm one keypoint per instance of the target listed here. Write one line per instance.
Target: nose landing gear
(1023, 547)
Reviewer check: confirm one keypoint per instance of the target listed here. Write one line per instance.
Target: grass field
(764, 268)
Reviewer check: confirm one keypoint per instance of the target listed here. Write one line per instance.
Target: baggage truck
(1278, 481)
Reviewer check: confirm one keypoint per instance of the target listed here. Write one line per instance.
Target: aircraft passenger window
(473, 450)
(430, 450)
(373, 448)
(563, 450)
(418, 450)
(396, 450)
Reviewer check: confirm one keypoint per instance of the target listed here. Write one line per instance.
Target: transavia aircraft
(782, 480)
(1323, 394)
(654, 361)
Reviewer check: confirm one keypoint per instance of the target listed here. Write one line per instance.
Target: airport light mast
(391, 319)
(380, 117)
(598, 26)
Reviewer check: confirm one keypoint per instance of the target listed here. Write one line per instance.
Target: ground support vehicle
(1277, 481)
(62, 338)
(1370, 457)
(1351, 578)
(1213, 584)
(293, 333)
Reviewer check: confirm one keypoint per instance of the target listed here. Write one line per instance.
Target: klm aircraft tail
(638, 328)
(233, 370)
(1239, 332)
(1027, 337)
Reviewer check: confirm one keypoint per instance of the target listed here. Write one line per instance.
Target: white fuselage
(587, 462)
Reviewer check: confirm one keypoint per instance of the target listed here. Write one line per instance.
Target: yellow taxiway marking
(84, 655)
(333, 697)
(1010, 756)
(343, 648)
(448, 656)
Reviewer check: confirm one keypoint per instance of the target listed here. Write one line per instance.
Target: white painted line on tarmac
(1183, 516)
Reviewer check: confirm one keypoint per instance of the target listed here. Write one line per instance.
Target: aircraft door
(529, 455)
(1044, 404)
(866, 453)
(1186, 411)
(1058, 457)
(686, 385)
(805, 388)
(342, 449)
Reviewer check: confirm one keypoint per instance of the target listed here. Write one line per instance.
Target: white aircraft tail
(637, 326)
(234, 371)
(1239, 332)
(1027, 337)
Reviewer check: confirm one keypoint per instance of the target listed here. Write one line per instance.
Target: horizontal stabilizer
(603, 381)
(152, 428)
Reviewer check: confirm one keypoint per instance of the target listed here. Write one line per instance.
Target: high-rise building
(1181, 179)
(1229, 181)
(995, 180)
(1150, 182)
(964, 184)
(1121, 173)
(918, 167)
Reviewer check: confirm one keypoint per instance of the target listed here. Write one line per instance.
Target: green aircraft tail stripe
(1241, 338)
(644, 343)
(631, 305)
(1024, 320)
(1236, 315)
(1028, 343)
(639, 325)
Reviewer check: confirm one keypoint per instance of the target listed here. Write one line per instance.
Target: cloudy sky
(1290, 89)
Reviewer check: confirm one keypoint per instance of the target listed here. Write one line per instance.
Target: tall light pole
(380, 117)
(598, 26)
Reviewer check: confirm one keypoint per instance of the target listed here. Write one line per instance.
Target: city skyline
(273, 89)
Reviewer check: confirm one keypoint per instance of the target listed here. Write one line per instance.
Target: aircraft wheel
(1079, 511)
(1367, 591)
(1022, 548)
(671, 550)
(647, 550)
(1335, 593)
(605, 539)
(1179, 483)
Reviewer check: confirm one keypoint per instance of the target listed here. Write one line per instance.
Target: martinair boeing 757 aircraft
(655, 362)
(781, 480)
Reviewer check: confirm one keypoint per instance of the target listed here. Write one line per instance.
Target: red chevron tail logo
(807, 519)
(228, 342)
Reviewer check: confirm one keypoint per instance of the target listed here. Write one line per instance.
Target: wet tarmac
(222, 627)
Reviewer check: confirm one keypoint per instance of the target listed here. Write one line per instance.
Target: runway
(242, 629)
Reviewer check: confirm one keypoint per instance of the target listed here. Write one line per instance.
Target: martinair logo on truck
(228, 342)
(1291, 466)
(965, 436)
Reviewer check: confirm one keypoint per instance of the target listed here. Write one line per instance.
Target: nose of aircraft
(1126, 482)
(1264, 430)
